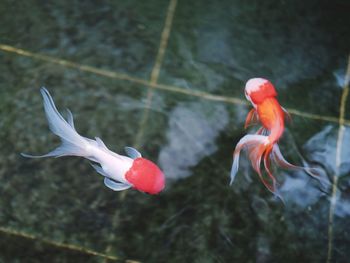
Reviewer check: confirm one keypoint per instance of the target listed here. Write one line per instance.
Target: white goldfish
(120, 172)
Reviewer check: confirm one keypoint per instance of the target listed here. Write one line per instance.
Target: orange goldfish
(263, 145)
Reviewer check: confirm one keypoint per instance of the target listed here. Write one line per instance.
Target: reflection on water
(214, 47)
(321, 148)
(339, 76)
(193, 128)
(210, 78)
(300, 190)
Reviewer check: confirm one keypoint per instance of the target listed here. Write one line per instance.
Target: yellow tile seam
(146, 83)
(60, 245)
(156, 70)
(333, 198)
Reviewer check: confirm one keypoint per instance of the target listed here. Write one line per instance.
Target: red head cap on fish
(145, 176)
(258, 89)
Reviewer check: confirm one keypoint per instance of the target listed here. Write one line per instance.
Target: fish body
(262, 146)
(271, 117)
(120, 172)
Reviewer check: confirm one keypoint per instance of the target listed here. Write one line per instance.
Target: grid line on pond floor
(153, 84)
(156, 69)
(153, 80)
(341, 130)
(57, 244)
(146, 83)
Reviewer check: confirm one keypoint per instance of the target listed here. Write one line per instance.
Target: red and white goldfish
(120, 172)
(263, 145)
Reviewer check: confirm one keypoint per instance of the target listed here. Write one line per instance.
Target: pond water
(167, 77)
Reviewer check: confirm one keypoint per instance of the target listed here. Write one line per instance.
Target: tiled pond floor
(167, 77)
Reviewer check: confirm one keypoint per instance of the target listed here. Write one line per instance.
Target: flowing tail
(72, 142)
(259, 148)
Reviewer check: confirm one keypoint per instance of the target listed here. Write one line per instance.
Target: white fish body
(113, 166)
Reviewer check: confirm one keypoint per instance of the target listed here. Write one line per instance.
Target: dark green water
(58, 210)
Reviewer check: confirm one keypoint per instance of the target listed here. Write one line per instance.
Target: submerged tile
(193, 140)
(182, 130)
(119, 36)
(61, 199)
(217, 47)
(18, 249)
(199, 217)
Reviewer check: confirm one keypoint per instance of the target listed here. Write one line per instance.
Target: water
(58, 210)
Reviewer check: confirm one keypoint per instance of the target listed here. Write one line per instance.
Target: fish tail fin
(267, 164)
(256, 146)
(259, 148)
(282, 162)
(72, 142)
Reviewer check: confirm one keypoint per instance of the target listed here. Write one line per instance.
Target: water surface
(98, 59)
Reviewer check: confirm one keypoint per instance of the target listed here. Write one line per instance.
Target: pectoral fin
(252, 118)
(132, 152)
(287, 115)
(99, 169)
(115, 186)
(70, 119)
(101, 144)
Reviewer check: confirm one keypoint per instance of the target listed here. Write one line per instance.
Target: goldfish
(120, 172)
(263, 146)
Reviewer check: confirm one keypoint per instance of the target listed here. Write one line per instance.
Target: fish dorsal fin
(70, 119)
(252, 118)
(132, 152)
(115, 186)
(101, 144)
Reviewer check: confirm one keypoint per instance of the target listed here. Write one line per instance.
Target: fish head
(145, 176)
(258, 89)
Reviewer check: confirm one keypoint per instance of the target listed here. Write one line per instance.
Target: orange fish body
(271, 117)
(263, 146)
